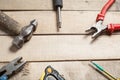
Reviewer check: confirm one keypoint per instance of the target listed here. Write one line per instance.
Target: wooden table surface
(68, 51)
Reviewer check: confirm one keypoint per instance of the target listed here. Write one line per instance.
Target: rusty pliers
(12, 68)
(98, 28)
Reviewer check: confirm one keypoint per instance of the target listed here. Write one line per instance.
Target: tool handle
(8, 24)
(113, 27)
(4, 77)
(101, 15)
(58, 3)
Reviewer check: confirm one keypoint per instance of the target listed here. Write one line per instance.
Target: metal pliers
(98, 28)
(12, 68)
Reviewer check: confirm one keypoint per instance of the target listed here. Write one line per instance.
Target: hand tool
(103, 71)
(51, 74)
(58, 6)
(9, 24)
(13, 27)
(25, 34)
(98, 28)
(11, 68)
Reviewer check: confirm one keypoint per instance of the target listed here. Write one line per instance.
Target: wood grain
(73, 22)
(69, 54)
(70, 70)
(63, 47)
(48, 5)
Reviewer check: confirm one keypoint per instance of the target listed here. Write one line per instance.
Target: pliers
(11, 68)
(98, 27)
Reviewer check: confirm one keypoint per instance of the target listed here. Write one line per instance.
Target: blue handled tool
(11, 68)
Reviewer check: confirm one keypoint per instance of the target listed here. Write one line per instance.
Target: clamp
(12, 68)
(98, 28)
(51, 74)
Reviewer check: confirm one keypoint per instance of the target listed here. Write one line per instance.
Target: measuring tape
(51, 74)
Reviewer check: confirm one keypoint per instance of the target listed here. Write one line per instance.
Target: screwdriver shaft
(101, 69)
(58, 6)
(109, 75)
(59, 20)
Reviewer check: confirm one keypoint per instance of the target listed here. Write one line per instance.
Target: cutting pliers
(11, 68)
(98, 27)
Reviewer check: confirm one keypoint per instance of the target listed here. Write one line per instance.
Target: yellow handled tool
(51, 74)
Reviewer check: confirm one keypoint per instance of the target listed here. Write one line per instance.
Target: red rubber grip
(113, 27)
(101, 15)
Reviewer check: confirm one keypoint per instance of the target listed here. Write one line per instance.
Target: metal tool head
(51, 74)
(13, 67)
(96, 29)
(25, 34)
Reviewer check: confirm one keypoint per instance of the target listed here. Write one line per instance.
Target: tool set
(24, 34)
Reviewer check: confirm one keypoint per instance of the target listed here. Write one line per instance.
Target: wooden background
(68, 51)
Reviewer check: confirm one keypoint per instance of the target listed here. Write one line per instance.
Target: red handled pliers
(98, 28)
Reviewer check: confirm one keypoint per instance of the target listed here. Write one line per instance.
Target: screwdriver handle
(113, 27)
(58, 3)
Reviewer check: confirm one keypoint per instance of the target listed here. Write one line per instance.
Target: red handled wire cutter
(98, 28)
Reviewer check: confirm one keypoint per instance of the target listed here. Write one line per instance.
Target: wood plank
(47, 5)
(74, 22)
(77, 71)
(51, 48)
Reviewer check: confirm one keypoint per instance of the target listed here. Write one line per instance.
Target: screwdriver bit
(58, 6)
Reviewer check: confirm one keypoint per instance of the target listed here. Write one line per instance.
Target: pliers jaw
(96, 29)
(13, 67)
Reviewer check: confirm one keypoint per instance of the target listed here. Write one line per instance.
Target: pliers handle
(4, 77)
(101, 15)
(11, 68)
(113, 27)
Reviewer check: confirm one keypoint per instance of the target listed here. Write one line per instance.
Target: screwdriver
(102, 70)
(58, 4)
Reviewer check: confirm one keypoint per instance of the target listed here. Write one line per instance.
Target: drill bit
(58, 6)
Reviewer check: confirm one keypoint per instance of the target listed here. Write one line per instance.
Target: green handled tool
(103, 71)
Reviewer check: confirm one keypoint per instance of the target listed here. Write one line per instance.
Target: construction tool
(25, 34)
(98, 28)
(103, 71)
(58, 6)
(11, 68)
(14, 28)
(9, 24)
(51, 74)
